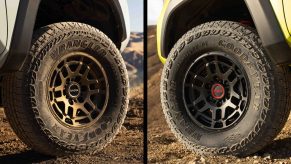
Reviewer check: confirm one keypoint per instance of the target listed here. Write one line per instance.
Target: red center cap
(217, 91)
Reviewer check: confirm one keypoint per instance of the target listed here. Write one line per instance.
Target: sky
(135, 8)
(154, 10)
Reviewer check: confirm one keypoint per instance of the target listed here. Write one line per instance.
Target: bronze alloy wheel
(71, 95)
(78, 90)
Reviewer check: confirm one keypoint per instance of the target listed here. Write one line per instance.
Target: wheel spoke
(59, 110)
(62, 76)
(231, 105)
(228, 72)
(233, 82)
(213, 114)
(67, 105)
(79, 68)
(216, 65)
(78, 118)
(201, 79)
(198, 100)
(61, 99)
(68, 70)
(234, 94)
(208, 70)
(91, 103)
(205, 117)
(84, 110)
(97, 91)
(203, 109)
(217, 69)
(223, 113)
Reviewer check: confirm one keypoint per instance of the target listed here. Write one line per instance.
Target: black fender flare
(22, 35)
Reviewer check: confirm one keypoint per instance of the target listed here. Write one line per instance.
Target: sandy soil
(127, 147)
(163, 146)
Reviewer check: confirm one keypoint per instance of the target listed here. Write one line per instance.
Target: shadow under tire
(221, 93)
(71, 95)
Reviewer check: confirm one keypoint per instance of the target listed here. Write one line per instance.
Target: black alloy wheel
(216, 91)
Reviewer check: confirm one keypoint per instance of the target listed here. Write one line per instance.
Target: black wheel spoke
(229, 71)
(203, 109)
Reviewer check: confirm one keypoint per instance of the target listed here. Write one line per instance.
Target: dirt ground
(163, 147)
(127, 147)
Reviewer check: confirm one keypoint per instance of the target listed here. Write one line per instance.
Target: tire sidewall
(185, 52)
(103, 50)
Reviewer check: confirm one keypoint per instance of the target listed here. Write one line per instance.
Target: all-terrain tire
(265, 109)
(70, 55)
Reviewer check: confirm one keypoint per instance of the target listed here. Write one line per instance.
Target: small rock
(123, 129)
(256, 161)
(202, 160)
(238, 160)
(192, 162)
(255, 157)
(267, 156)
(248, 157)
(226, 161)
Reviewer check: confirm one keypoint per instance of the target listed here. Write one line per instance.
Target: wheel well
(99, 14)
(182, 21)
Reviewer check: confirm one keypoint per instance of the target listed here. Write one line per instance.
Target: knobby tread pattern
(21, 104)
(275, 79)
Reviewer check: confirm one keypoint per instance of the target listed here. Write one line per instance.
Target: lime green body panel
(282, 9)
(287, 10)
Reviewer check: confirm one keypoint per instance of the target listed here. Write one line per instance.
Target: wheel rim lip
(241, 68)
(49, 78)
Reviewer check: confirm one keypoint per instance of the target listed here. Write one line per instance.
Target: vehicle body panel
(22, 16)
(124, 8)
(169, 6)
(262, 13)
(11, 11)
(159, 31)
(279, 7)
(3, 29)
(287, 11)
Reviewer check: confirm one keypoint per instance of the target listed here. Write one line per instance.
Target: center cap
(217, 91)
(74, 90)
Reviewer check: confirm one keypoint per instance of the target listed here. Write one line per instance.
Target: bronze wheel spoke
(61, 99)
(97, 91)
(58, 88)
(79, 68)
(62, 76)
(91, 103)
(68, 69)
